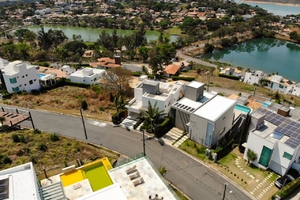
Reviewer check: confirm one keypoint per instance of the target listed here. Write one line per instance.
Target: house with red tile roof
(107, 63)
(172, 70)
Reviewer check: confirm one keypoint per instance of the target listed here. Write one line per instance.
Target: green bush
(84, 105)
(102, 108)
(15, 138)
(287, 189)
(37, 131)
(184, 78)
(229, 76)
(54, 137)
(116, 118)
(6, 160)
(44, 64)
(136, 74)
(164, 127)
(42, 146)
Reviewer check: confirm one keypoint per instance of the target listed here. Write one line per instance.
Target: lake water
(275, 9)
(92, 34)
(268, 55)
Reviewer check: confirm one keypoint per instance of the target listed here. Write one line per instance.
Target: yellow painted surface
(72, 177)
(104, 162)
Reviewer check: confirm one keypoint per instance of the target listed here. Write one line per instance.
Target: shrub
(184, 78)
(42, 146)
(33, 159)
(162, 170)
(22, 138)
(6, 160)
(136, 74)
(229, 76)
(138, 123)
(164, 127)
(37, 131)
(102, 108)
(15, 138)
(287, 189)
(54, 137)
(84, 105)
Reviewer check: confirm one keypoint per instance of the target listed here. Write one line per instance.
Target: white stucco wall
(251, 79)
(198, 127)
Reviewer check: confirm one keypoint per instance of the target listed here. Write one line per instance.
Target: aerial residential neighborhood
(155, 100)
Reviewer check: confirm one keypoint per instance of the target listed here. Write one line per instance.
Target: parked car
(283, 180)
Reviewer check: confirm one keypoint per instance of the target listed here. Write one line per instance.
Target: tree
(144, 53)
(208, 48)
(151, 115)
(20, 34)
(119, 104)
(119, 78)
(251, 155)
(76, 47)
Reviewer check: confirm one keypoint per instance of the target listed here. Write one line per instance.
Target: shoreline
(274, 3)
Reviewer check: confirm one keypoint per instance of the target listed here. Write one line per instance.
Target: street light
(224, 193)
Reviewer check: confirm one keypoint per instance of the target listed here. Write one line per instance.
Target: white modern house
(232, 71)
(280, 84)
(87, 75)
(275, 139)
(212, 121)
(20, 76)
(253, 77)
(194, 97)
(296, 90)
(164, 94)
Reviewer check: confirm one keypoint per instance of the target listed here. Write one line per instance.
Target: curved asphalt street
(190, 176)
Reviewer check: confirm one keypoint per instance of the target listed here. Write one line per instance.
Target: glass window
(265, 156)
(280, 86)
(287, 156)
(30, 82)
(13, 80)
(15, 89)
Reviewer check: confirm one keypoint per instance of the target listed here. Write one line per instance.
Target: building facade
(87, 76)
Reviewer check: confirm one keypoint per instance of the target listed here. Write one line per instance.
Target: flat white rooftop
(215, 108)
(195, 84)
(80, 73)
(112, 192)
(152, 183)
(22, 182)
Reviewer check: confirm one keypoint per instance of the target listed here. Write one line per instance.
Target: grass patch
(194, 149)
(227, 160)
(174, 31)
(47, 153)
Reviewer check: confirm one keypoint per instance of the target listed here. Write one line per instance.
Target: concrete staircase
(54, 191)
(173, 135)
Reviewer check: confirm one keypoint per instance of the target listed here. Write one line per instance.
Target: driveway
(180, 54)
(190, 176)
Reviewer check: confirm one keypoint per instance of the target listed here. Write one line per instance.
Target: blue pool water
(242, 108)
(264, 104)
(41, 75)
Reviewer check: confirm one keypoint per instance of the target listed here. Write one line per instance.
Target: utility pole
(144, 145)
(225, 186)
(83, 125)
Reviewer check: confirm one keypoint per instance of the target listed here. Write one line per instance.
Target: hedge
(287, 189)
(184, 78)
(136, 74)
(44, 64)
(116, 118)
(223, 151)
(229, 76)
(164, 127)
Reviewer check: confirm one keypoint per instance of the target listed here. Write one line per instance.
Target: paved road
(193, 178)
(180, 54)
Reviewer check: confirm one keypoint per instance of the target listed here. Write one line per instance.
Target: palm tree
(119, 104)
(152, 114)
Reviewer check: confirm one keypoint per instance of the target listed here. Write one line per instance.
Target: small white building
(280, 84)
(87, 76)
(164, 94)
(69, 70)
(296, 90)
(253, 77)
(20, 76)
(212, 121)
(275, 141)
(232, 71)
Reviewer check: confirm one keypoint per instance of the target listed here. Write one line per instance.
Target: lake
(92, 34)
(275, 9)
(268, 55)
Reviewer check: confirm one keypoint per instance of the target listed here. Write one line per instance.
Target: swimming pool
(264, 104)
(41, 75)
(242, 108)
(95, 172)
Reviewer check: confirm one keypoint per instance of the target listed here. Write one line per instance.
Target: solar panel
(294, 134)
(289, 133)
(278, 129)
(293, 123)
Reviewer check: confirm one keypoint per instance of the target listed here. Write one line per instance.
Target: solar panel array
(285, 126)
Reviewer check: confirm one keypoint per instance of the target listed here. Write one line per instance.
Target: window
(22, 76)
(12, 80)
(15, 89)
(280, 86)
(34, 79)
(265, 156)
(287, 156)
(26, 74)
(25, 84)
(30, 82)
